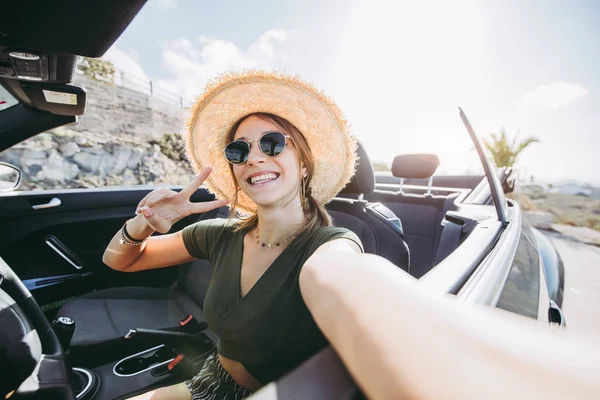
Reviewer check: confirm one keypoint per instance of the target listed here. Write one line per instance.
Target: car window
(521, 290)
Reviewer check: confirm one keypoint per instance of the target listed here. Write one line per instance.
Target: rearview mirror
(10, 177)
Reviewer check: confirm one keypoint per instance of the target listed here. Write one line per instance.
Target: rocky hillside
(566, 209)
(63, 158)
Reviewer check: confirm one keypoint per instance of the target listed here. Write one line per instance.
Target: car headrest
(363, 181)
(415, 166)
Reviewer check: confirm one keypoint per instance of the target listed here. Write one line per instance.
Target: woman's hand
(163, 207)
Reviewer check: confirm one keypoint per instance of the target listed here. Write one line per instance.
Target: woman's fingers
(191, 187)
(142, 202)
(153, 197)
(155, 221)
(162, 207)
(198, 208)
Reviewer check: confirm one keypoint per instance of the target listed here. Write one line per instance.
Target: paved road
(581, 303)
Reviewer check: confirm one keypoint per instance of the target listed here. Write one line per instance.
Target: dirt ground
(582, 284)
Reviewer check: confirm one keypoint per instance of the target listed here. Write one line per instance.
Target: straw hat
(233, 96)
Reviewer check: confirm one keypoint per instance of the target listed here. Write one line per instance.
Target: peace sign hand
(163, 207)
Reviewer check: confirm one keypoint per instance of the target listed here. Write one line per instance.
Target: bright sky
(400, 69)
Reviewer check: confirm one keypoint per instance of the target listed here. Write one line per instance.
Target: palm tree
(505, 154)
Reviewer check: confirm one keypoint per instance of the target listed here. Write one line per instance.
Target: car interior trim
(89, 382)
(38, 283)
(139, 354)
(486, 284)
(68, 259)
(454, 271)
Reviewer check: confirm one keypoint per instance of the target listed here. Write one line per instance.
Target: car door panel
(45, 246)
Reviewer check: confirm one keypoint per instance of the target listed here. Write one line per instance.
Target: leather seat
(421, 214)
(104, 317)
(379, 229)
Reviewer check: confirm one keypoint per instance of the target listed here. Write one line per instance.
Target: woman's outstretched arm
(398, 341)
(158, 211)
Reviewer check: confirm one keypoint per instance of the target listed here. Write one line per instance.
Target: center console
(171, 357)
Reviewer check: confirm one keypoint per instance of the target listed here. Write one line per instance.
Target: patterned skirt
(213, 382)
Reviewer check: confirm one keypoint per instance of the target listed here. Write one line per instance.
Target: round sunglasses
(270, 143)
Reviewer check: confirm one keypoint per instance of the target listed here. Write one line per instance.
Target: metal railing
(149, 88)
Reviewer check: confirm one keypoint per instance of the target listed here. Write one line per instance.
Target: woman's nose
(256, 156)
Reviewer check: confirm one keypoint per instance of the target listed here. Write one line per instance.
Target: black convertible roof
(81, 27)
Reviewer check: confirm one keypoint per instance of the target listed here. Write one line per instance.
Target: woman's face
(279, 176)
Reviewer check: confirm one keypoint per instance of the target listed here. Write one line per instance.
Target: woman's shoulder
(211, 228)
(326, 234)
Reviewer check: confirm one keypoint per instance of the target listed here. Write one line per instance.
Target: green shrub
(97, 69)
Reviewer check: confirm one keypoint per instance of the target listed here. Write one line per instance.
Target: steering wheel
(32, 361)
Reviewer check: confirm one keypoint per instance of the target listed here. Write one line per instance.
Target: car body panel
(553, 267)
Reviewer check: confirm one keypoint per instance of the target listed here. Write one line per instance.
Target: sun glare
(407, 63)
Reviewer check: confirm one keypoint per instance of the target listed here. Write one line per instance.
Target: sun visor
(57, 99)
(415, 166)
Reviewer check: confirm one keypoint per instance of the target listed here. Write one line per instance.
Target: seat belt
(448, 241)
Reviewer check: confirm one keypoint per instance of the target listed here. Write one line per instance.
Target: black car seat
(104, 317)
(421, 214)
(379, 229)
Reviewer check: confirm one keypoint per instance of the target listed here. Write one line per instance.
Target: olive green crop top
(269, 330)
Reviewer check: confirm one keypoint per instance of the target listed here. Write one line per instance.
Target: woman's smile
(262, 178)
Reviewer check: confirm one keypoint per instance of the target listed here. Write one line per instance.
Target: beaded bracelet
(127, 239)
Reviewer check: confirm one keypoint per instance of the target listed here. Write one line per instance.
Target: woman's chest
(255, 263)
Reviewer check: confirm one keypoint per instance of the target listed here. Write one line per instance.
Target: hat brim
(234, 96)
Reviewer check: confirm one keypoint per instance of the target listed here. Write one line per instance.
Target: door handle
(63, 251)
(55, 202)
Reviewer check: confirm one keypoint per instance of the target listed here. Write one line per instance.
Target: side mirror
(10, 177)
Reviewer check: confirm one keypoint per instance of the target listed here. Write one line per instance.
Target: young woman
(279, 151)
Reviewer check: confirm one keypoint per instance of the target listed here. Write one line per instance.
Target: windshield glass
(6, 100)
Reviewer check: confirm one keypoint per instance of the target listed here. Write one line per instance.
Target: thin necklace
(268, 245)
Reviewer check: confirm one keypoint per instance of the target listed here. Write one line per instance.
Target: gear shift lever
(64, 328)
(85, 383)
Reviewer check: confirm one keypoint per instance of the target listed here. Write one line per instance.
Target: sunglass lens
(272, 144)
(237, 152)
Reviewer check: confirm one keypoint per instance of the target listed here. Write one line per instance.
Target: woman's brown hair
(316, 212)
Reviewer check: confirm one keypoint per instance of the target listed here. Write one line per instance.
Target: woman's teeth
(262, 178)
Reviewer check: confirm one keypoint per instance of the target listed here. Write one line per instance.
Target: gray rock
(135, 159)
(92, 160)
(32, 161)
(57, 169)
(129, 178)
(69, 149)
(81, 140)
(122, 155)
(31, 157)
(12, 157)
(99, 151)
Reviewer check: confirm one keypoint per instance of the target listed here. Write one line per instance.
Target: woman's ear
(304, 171)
